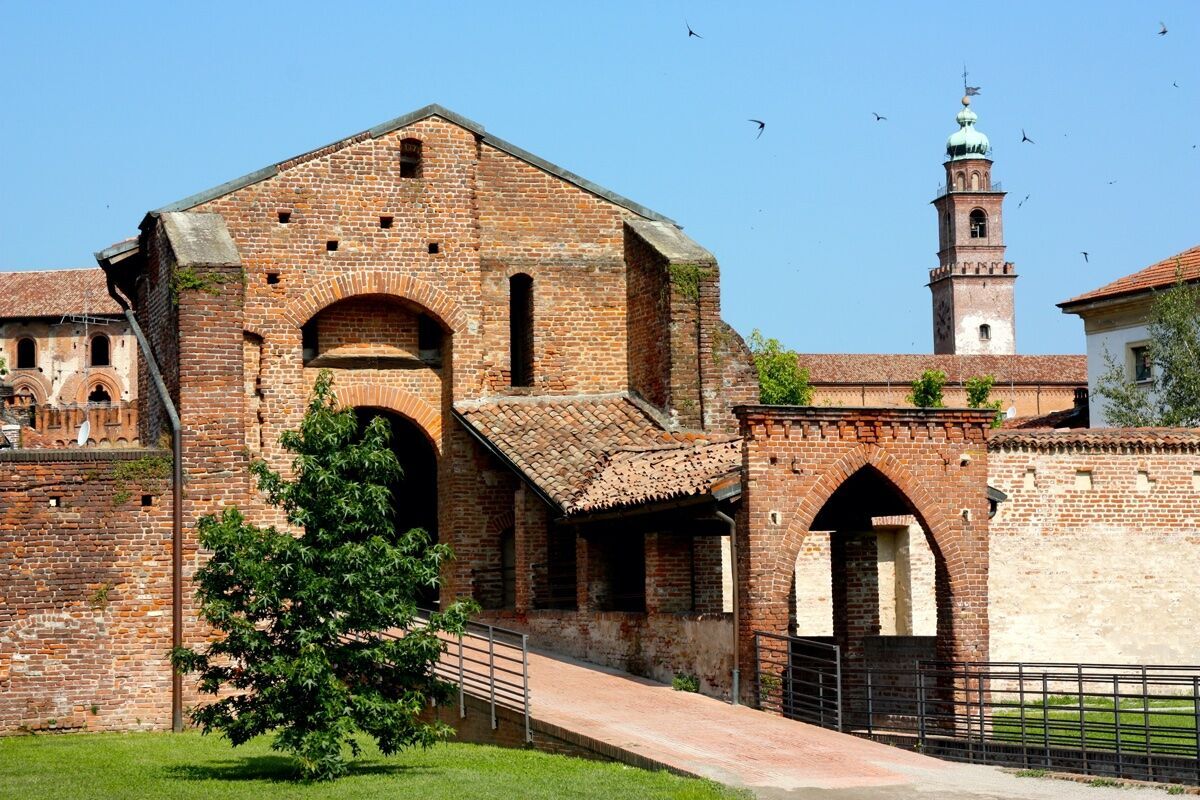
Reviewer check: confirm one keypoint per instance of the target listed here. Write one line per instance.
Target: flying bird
(1023, 199)
(1162, 28)
(878, 118)
(1084, 254)
(1175, 84)
(762, 126)
(1025, 138)
(691, 32)
(973, 90)
(1110, 183)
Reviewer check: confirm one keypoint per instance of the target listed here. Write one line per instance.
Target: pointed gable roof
(433, 110)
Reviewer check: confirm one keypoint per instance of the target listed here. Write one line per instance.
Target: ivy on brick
(148, 474)
(686, 279)
(187, 279)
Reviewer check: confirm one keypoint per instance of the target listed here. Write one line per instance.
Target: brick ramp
(587, 710)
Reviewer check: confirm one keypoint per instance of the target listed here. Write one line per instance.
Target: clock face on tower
(941, 320)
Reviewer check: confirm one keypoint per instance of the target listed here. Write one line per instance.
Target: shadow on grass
(277, 769)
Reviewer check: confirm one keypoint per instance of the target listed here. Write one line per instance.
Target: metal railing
(997, 186)
(799, 678)
(489, 663)
(1117, 720)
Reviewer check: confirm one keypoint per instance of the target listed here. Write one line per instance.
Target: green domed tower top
(967, 141)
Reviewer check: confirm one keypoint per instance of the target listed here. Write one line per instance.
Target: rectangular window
(1140, 358)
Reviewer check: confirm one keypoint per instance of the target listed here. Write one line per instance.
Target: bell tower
(972, 286)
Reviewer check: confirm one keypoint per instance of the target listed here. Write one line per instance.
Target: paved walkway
(772, 756)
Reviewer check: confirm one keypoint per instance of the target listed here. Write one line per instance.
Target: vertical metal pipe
(525, 680)
(492, 672)
(1021, 704)
(870, 704)
(462, 700)
(735, 677)
(1196, 721)
(1117, 719)
(176, 505)
(1045, 718)
(921, 707)
(1083, 742)
(837, 655)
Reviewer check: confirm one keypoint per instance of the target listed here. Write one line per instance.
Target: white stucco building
(1115, 320)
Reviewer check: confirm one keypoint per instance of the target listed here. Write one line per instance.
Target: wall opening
(979, 224)
(99, 395)
(26, 354)
(100, 351)
(985, 332)
(410, 158)
(520, 322)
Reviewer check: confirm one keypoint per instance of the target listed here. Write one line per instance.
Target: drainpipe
(733, 569)
(176, 505)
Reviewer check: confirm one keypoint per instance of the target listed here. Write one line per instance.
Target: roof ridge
(404, 120)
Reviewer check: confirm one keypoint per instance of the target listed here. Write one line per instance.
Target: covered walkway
(772, 756)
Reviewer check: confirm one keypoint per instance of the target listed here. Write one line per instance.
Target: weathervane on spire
(968, 91)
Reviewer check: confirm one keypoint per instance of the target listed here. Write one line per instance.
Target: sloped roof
(433, 110)
(904, 368)
(1098, 440)
(1074, 417)
(595, 452)
(55, 293)
(1155, 276)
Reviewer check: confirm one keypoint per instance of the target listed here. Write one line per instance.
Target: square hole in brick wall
(434, 247)
(385, 222)
(1031, 478)
(147, 500)
(1083, 479)
(285, 216)
(55, 501)
(331, 245)
(272, 278)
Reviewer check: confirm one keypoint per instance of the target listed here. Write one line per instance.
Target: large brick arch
(301, 309)
(862, 456)
(423, 415)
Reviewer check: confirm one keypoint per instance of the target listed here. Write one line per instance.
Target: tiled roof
(53, 293)
(589, 453)
(1098, 439)
(1074, 417)
(1155, 276)
(904, 368)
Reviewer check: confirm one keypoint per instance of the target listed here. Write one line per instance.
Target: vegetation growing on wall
(781, 379)
(979, 390)
(686, 279)
(149, 474)
(187, 279)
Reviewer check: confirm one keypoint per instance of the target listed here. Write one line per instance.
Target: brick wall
(1095, 553)
(85, 619)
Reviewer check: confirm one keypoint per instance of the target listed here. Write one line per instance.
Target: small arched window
(100, 351)
(979, 224)
(520, 329)
(26, 354)
(99, 395)
(974, 180)
(410, 158)
(960, 181)
(985, 332)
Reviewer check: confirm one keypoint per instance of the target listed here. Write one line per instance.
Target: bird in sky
(762, 126)
(1085, 256)
(1110, 183)
(691, 32)
(878, 118)
(1025, 138)
(1162, 28)
(1175, 84)
(973, 90)
(1023, 199)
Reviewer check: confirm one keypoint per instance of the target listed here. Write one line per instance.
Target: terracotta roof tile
(588, 453)
(904, 368)
(1074, 417)
(54, 293)
(1098, 439)
(1155, 276)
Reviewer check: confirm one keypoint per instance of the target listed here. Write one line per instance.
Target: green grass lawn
(1166, 725)
(149, 766)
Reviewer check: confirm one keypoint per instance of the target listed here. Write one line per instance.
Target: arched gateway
(836, 469)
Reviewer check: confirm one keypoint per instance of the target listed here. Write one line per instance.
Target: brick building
(70, 358)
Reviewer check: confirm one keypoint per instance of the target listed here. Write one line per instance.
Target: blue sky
(822, 226)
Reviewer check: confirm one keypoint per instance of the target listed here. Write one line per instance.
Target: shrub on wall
(781, 379)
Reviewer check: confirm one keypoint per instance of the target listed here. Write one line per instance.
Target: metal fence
(799, 678)
(489, 663)
(1113, 720)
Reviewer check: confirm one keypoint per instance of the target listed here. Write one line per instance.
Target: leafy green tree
(1172, 398)
(781, 379)
(927, 390)
(979, 389)
(300, 615)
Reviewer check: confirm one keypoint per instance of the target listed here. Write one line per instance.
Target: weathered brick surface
(85, 600)
(795, 459)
